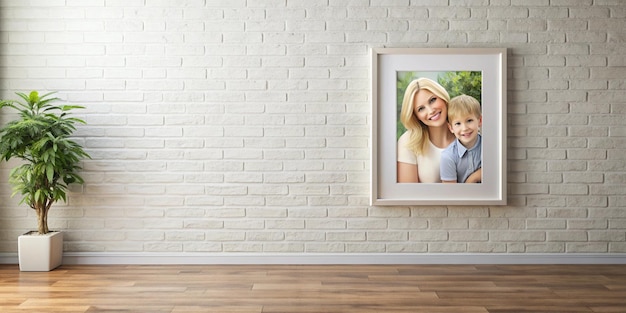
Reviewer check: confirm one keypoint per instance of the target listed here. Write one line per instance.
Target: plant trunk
(42, 218)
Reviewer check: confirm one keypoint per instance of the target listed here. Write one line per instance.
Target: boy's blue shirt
(458, 162)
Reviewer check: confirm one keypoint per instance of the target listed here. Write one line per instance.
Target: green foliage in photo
(458, 83)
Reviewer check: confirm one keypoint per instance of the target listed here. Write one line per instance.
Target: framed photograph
(438, 126)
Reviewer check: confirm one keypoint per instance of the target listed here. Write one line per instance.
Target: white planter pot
(40, 253)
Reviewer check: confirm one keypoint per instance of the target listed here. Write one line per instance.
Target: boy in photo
(461, 161)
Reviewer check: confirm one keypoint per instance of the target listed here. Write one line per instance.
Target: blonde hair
(418, 138)
(463, 105)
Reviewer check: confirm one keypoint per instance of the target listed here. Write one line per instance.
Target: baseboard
(102, 258)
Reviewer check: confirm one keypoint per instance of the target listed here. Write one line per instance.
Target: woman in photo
(424, 114)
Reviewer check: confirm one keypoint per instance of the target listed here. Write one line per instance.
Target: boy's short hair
(463, 105)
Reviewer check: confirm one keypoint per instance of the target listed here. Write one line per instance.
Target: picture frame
(390, 68)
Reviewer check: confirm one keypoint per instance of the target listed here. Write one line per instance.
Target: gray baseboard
(262, 259)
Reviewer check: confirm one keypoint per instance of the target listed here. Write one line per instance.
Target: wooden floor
(304, 288)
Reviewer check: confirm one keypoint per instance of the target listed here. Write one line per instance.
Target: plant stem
(42, 218)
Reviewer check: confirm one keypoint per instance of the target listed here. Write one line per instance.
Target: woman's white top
(427, 164)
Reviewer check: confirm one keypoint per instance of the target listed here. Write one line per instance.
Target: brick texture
(243, 126)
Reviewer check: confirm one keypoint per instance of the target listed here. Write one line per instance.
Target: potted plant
(41, 138)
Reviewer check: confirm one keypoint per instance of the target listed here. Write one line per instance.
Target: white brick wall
(242, 126)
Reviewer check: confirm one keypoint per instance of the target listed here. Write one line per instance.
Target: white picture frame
(386, 66)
